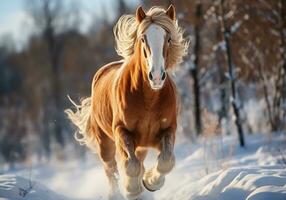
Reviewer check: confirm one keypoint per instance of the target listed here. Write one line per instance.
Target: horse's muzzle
(157, 79)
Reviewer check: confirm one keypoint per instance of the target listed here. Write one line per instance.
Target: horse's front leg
(154, 179)
(132, 166)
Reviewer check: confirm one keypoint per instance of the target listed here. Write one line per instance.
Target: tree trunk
(283, 44)
(54, 54)
(194, 70)
(278, 112)
(282, 71)
(222, 79)
(226, 34)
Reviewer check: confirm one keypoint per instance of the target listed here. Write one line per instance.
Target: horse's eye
(169, 40)
(142, 40)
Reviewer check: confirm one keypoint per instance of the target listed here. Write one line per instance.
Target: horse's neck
(150, 96)
(139, 82)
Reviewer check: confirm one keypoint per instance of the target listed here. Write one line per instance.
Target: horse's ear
(140, 14)
(171, 12)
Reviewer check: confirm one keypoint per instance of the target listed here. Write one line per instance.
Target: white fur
(156, 63)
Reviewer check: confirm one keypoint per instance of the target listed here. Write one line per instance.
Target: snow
(17, 188)
(235, 27)
(212, 168)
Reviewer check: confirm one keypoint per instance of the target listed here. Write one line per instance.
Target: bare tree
(51, 19)
(222, 79)
(275, 97)
(280, 88)
(194, 71)
(234, 100)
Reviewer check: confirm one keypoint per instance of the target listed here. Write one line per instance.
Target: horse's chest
(146, 119)
(146, 126)
(148, 123)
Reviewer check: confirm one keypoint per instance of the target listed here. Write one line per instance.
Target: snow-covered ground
(213, 168)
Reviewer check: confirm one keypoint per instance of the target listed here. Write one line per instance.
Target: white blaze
(155, 38)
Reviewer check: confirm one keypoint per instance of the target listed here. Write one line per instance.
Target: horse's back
(113, 66)
(102, 87)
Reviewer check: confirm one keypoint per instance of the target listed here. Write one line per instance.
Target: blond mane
(127, 30)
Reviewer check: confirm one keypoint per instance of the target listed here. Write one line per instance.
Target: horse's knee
(132, 167)
(110, 167)
(106, 156)
(166, 162)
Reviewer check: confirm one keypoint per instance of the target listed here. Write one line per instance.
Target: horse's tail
(81, 119)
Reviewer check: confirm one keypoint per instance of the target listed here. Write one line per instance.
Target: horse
(133, 104)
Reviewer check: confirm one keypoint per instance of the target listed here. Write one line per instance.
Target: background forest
(231, 82)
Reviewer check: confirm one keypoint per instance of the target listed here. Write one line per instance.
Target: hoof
(146, 187)
(153, 181)
(115, 196)
(133, 188)
(133, 196)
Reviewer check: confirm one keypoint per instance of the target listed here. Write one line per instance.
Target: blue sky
(15, 23)
(8, 7)
(11, 18)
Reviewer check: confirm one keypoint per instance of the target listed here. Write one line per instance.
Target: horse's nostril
(150, 76)
(163, 76)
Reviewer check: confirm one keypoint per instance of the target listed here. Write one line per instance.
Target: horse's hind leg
(132, 165)
(106, 151)
(154, 179)
(107, 156)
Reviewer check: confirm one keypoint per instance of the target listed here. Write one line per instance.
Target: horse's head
(154, 45)
(155, 39)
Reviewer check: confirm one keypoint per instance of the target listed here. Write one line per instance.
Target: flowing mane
(127, 30)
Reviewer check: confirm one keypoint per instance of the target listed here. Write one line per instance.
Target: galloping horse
(133, 103)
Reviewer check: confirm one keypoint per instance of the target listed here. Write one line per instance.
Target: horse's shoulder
(103, 70)
(170, 91)
(175, 95)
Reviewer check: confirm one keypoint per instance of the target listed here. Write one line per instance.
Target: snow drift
(212, 169)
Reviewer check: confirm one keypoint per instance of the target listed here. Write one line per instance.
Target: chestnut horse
(133, 103)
